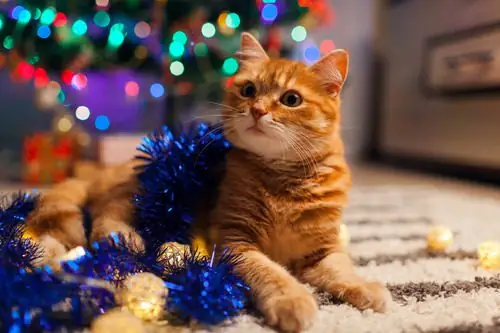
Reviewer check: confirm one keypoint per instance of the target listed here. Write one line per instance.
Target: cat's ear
(250, 49)
(332, 70)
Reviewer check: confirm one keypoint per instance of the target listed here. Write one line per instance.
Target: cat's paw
(370, 295)
(51, 249)
(292, 311)
(131, 237)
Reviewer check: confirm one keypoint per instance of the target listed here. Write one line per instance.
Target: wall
(457, 130)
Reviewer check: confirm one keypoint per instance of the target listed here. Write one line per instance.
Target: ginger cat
(280, 202)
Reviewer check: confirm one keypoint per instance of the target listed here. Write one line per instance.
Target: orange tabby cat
(282, 197)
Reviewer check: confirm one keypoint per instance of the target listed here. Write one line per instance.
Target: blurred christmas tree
(190, 42)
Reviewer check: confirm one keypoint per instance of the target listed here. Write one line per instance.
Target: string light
(176, 68)
(41, 78)
(176, 49)
(67, 76)
(1, 22)
(79, 81)
(101, 122)
(61, 96)
(201, 49)
(8, 42)
(131, 89)
(37, 14)
(16, 11)
(82, 112)
(60, 20)
(180, 37)
(116, 36)
(102, 3)
(233, 20)
(157, 90)
(25, 70)
(79, 27)
(230, 66)
(64, 124)
(43, 31)
(299, 33)
(102, 19)
(312, 53)
(141, 52)
(24, 17)
(269, 12)
(48, 16)
(142, 29)
(208, 30)
(327, 46)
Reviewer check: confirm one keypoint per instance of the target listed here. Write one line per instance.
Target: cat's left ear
(250, 49)
(332, 70)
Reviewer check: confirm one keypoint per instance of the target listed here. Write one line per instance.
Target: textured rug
(444, 293)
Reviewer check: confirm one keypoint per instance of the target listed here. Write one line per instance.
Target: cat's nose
(258, 111)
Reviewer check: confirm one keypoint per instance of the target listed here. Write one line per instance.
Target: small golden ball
(174, 253)
(344, 237)
(144, 294)
(489, 255)
(28, 234)
(439, 239)
(117, 321)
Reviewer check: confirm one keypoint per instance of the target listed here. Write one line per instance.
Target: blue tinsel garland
(176, 173)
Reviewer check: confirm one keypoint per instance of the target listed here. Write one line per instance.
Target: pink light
(132, 89)
(326, 46)
(60, 20)
(79, 81)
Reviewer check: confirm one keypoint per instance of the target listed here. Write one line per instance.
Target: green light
(116, 35)
(24, 17)
(34, 59)
(61, 96)
(230, 66)
(176, 68)
(1, 22)
(176, 49)
(38, 13)
(233, 20)
(208, 30)
(201, 49)
(269, 1)
(299, 33)
(102, 19)
(48, 16)
(180, 36)
(8, 42)
(79, 28)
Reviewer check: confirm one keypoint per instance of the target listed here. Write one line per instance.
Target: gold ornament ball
(489, 255)
(174, 253)
(144, 294)
(117, 321)
(439, 239)
(28, 234)
(344, 236)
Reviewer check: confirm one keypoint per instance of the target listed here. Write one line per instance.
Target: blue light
(269, 12)
(102, 123)
(16, 12)
(312, 53)
(43, 31)
(157, 90)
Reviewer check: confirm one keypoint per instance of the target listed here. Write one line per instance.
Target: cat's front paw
(52, 250)
(292, 311)
(132, 239)
(369, 295)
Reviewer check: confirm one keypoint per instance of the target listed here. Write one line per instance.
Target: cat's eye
(248, 90)
(291, 99)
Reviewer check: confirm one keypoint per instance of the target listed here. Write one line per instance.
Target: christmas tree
(189, 42)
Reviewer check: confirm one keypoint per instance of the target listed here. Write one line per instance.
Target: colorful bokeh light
(299, 33)
(233, 20)
(142, 29)
(208, 30)
(176, 68)
(24, 17)
(269, 12)
(102, 19)
(79, 28)
(8, 42)
(180, 37)
(82, 112)
(176, 49)
(201, 49)
(43, 31)
(230, 66)
(79, 81)
(60, 20)
(16, 12)
(312, 53)
(157, 90)
(102, 123)
(132, 89)
(48, 16)
(326, 46)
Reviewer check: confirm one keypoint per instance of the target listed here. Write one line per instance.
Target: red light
(60, 20)
(132, 88)
(305, 3)
(229, 81)
(67, 76)
(41, 78)
(25, 70)
(326, 46)
(79, 81)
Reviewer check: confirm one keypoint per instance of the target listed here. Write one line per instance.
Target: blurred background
(81, 81)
